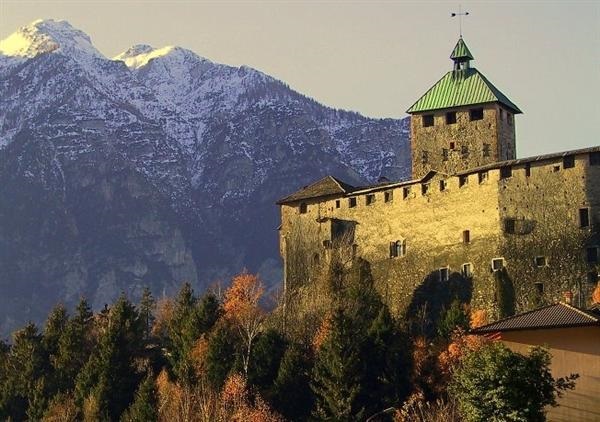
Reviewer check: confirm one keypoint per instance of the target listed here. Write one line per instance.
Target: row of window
(428, 120)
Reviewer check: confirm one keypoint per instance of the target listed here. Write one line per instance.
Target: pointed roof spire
(461, 52)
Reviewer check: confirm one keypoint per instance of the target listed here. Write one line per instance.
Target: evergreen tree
(37, 402)
(292, 395)
(26, 365)
(109, 378)
(143, 408)
(220, 356)
(338, 372)
(147, 305)
(454, 317)
(73, 349)
(55, 325)
(388, 364)
(269, 348)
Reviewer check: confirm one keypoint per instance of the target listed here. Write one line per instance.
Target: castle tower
(461, 122)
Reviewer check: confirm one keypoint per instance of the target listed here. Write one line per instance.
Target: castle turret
(462, 122)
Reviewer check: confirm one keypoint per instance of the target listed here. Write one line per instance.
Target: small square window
(370, 198)
(450, 117)
(467, 270)
(476, 114)
(486, 150)
(452, 145)
(444, 274)
(464, 151)
(405, 193)
(303, 208)
(424, 188)
(497, 264)
(388, 196)
(539, 288)
(509, 225)
(594, 158)
(466, 235)
(337, 203)
(569, 162)
(462, 181)
(442, 185)
(505, 172)
(483, 176)
(555, 169)
(592, 255)
(541, 261)
(428, 120)
(351, 202)
(584, 217)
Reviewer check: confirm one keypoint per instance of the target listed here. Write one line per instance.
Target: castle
(472, 209)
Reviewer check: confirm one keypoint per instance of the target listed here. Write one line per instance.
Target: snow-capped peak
(141, 54)
(45, 36)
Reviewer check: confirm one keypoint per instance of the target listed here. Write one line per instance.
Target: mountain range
(155, 167)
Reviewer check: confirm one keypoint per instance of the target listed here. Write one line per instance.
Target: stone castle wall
(545, 206)
(451, 148)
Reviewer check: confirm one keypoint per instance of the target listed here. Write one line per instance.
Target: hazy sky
(374, 57)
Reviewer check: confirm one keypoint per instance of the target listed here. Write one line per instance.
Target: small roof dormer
(461, 56)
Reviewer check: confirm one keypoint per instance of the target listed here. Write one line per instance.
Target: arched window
(398, 248)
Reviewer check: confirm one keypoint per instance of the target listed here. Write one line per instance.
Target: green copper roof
(461, 88)
(461, 51)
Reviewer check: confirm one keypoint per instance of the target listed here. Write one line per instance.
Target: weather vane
(460, 15)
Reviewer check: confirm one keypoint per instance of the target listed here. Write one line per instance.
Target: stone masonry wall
(463, 140)
(546, 203)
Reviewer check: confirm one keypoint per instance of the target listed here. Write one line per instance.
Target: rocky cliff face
(154, 167)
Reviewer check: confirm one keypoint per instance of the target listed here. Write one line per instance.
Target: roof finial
(460, 15)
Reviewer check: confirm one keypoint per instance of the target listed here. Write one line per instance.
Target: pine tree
(269, 348)
(338, 372)
(220, 356)
(73, 348)
(26, 365)
(453, 318)
(147, 305)
(143, 408)
(292, 396)
(109, 378)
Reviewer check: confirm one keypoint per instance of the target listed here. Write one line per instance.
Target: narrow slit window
(462, 181)
(442, 185)
(527, 169)
(424, 188)
(483, 176)
(444, 273)
(405, 193)
(592, 255)
(467, 270)
(584, 217)
(337, 203)
(388, 196)
(444, 154)
(466, 235)
(486, 150)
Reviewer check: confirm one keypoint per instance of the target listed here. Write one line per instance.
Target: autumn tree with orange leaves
(242, 309)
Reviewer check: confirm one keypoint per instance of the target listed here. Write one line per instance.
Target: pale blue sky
(374, 57)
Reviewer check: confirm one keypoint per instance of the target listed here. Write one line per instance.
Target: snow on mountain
(155, 166)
